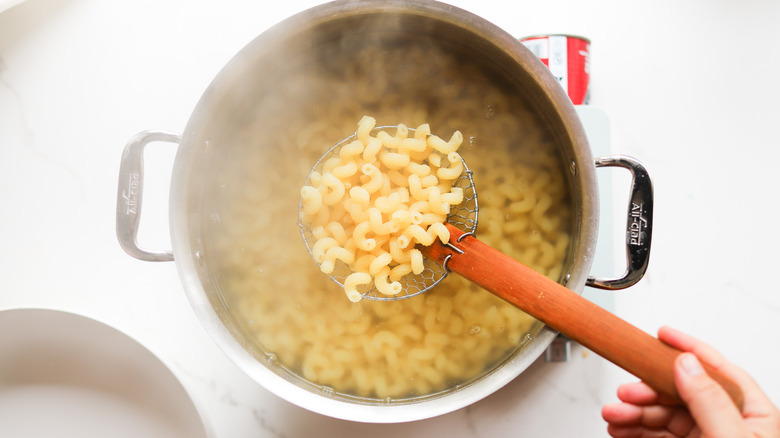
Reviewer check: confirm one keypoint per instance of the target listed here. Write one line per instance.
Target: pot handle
(639, 225)
(130, 191)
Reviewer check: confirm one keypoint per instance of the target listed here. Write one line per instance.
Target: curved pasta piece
(454, 170)
(384, 286)
(365, 125)
(311, 200)
(418, 234)
(394, 160)
(321, 246)
(439, 230)
(416, 261)
(337, 189)
(399, 271)
(374, 178)
(379, 263)
(372, 148)
(359, 235)
(345, 170)
(352, 282)
(351, 150)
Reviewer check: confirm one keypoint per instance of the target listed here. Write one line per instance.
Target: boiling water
(292, 312)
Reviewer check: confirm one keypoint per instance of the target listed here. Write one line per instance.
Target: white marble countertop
(690, 88)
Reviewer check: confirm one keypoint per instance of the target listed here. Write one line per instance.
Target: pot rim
(187, 256)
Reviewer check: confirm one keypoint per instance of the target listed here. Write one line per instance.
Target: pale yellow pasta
(371, 149)
(429, 181)
(430, 218)
(389, 204)
(380, 262)
(336, 230)
(373, 181)
(315, 178)
(402, 218)
(439, 230)
(321, 246)
(398, 250)
(336, 253)
(437, 205)
(379, 227)
(352, 282)
(365, 125)
(412, 145)
(361, 196)
(418, 234)
(416, 189)
(311, 199)
(330, 164)
(446, 337)
(442, 146)
(363, 264)
(348, 169)
(454, 197)
(435, 160)
(418, 169)
(416, 261)
(319, 232)
(423, 131)
(383, 283)
(379, 206)
(351, 150)
(417, 216)
(397, 178)
(359, 234)
(336, 189)
(394, 160)
(456, 140)
(356, 210)
(390, 141)
(421, 207)
(386, 186)
(454, 170)
(526, 203)
(401, 270)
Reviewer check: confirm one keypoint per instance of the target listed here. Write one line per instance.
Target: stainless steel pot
(230, 103)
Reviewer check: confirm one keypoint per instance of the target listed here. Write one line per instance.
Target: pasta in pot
(294, 313)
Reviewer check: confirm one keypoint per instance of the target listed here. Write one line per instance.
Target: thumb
(707, 401)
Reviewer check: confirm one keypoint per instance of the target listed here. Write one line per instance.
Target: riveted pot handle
(639, 225)
(130, 191)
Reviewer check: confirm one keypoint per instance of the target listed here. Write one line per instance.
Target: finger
(639, 393)
(685, 342)
(674, 419)
(756, 402)
(707, 401)
(637, 432)
(622, 414)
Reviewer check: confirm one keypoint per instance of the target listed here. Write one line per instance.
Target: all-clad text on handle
(639, 225)
(130, 192)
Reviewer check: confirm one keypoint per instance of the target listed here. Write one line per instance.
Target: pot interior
(301, 88)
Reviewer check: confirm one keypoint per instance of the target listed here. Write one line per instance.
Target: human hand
(708, 410)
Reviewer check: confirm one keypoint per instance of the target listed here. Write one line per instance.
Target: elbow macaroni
(379, 191)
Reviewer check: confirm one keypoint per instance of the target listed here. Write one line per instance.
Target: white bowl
(66, 375)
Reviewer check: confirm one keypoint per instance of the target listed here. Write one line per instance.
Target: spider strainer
(462, 216)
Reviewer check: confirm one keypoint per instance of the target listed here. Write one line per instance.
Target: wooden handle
(612, 338)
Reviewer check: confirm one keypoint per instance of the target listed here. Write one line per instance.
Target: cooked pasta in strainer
(379, 201)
